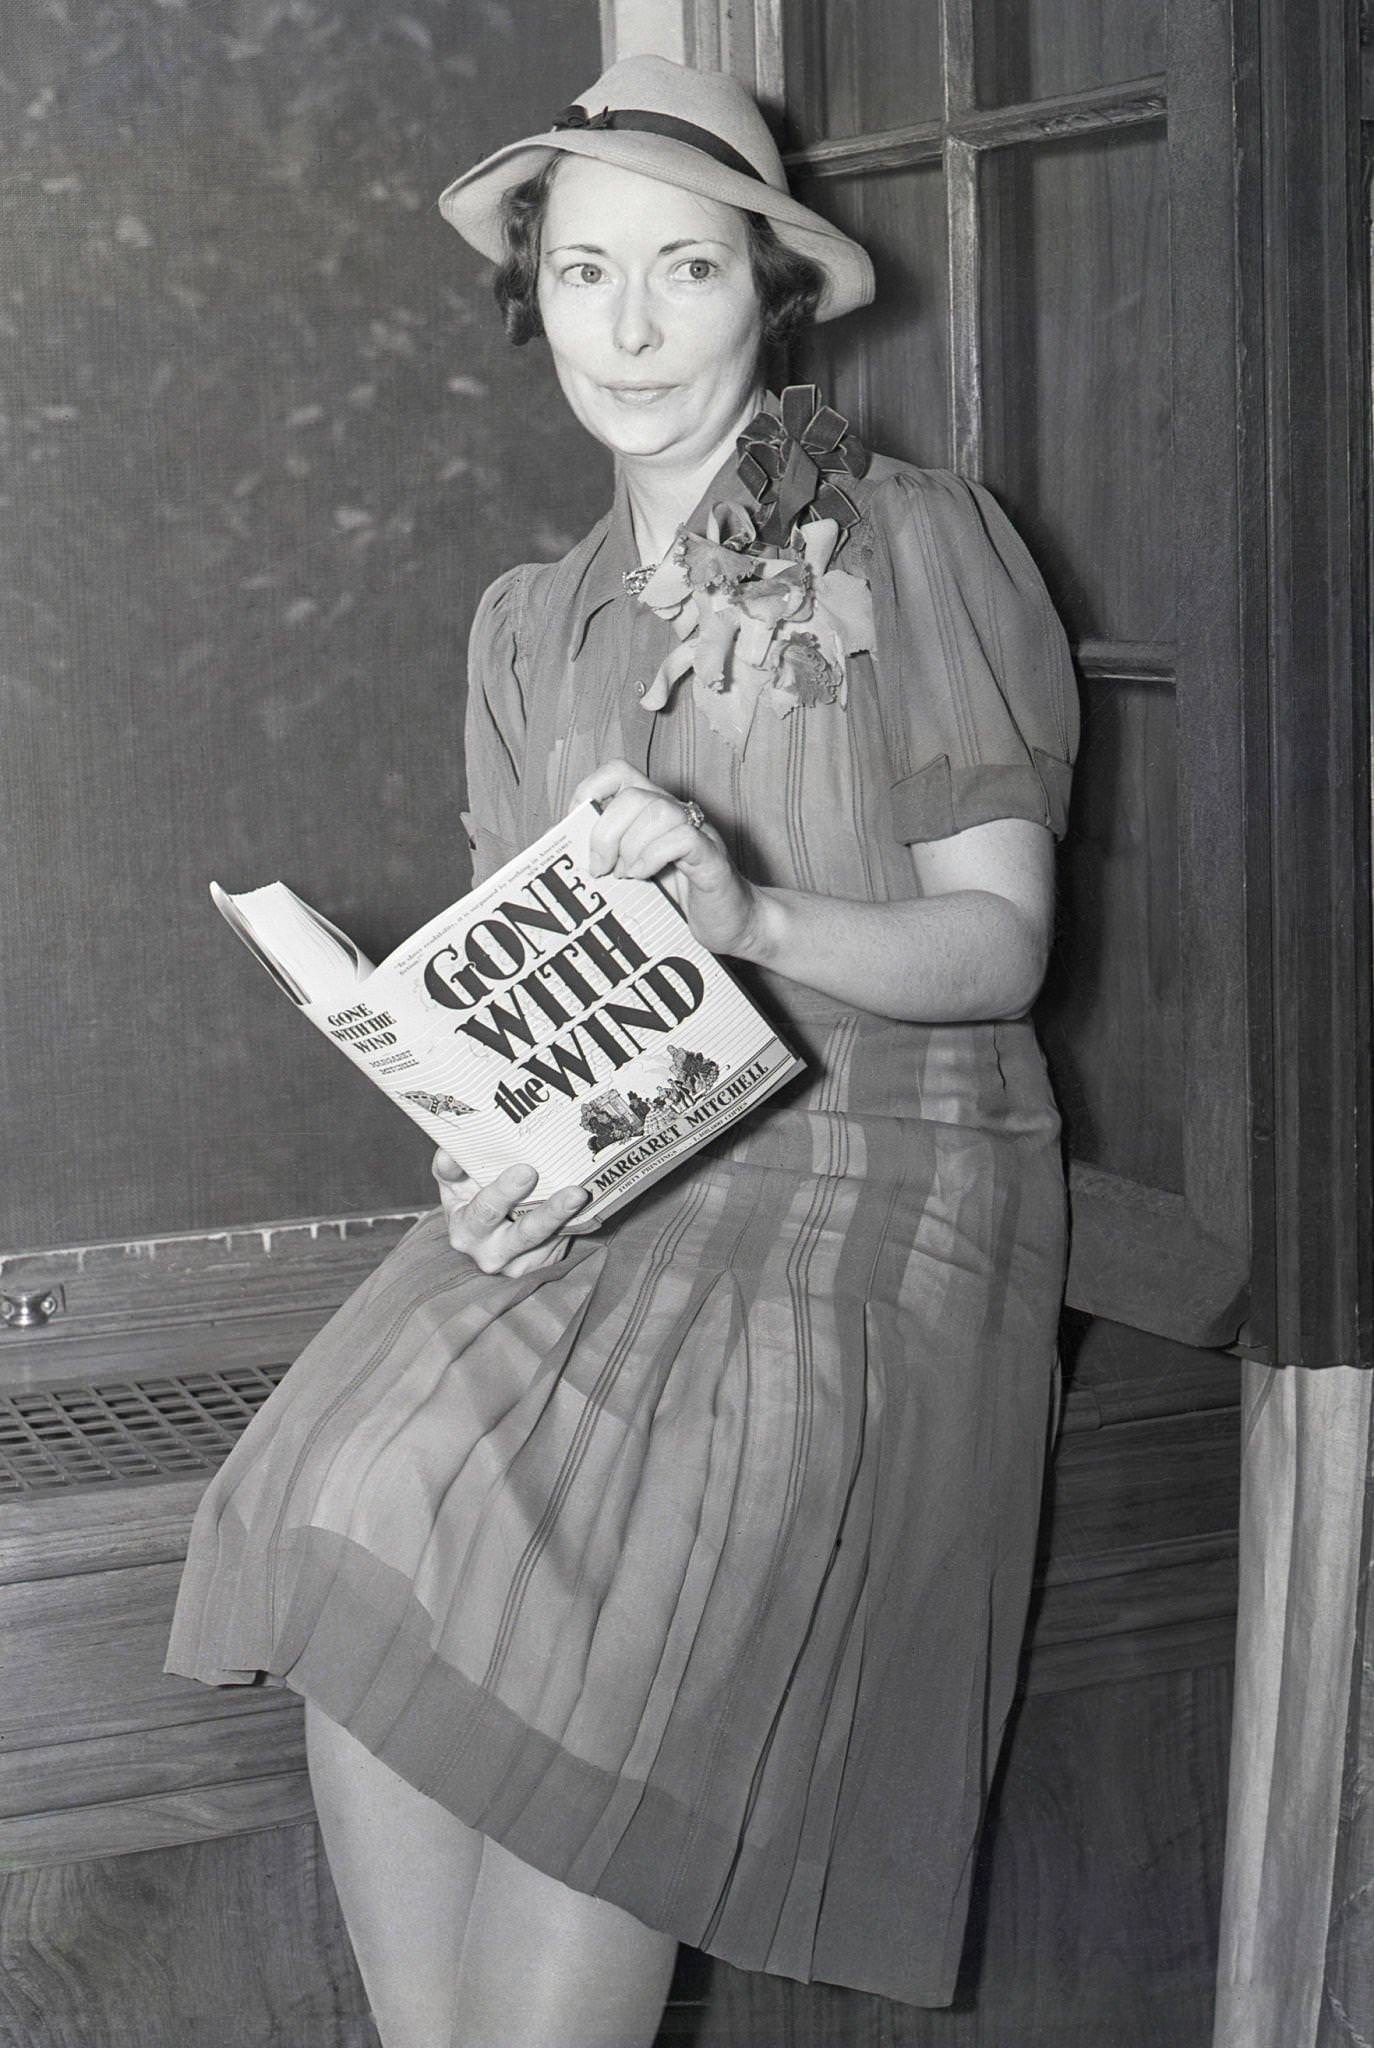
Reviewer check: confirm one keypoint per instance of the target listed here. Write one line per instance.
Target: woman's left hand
(644, 832)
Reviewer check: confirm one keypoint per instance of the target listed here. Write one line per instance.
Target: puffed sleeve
(978, 690)
(494, 728)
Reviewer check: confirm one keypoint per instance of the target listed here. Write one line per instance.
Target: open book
(553, 1017)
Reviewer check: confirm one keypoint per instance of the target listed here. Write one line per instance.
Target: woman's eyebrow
(668, 249)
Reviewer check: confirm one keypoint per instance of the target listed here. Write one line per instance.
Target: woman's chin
(649, 430)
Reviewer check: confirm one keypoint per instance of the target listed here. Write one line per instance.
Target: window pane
(1077, 386)
(886, 367)
(857, 65)
(1028, 49)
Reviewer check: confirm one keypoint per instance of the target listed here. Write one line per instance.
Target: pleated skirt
(692, 1567)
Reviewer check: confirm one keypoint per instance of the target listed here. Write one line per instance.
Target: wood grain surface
(225, 1944)
(1093, 1923)
(1097, 1894)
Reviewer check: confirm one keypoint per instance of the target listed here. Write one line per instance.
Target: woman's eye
(699, 269)
(584, 273)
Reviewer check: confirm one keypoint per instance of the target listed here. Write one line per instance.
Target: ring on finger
(694, 814)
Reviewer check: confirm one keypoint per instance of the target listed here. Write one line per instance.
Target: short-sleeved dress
(693, 1566)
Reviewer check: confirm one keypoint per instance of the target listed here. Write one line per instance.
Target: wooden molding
(166, 1820)
(175, 1302)
(1063, 117)
(1140, 1256)
(644, 28)
(743, 37)
(1125, 661)
(1307, 513)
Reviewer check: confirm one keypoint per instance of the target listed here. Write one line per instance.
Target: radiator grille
(53, 1438)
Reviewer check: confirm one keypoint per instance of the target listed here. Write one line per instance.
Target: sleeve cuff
(939, 800)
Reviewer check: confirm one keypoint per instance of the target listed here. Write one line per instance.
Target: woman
(667, 1582)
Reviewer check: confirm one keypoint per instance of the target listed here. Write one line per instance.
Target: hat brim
(472, 203)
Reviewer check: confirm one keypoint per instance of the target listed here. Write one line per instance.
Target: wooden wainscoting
(144, 1819)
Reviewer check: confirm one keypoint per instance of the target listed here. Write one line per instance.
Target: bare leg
(405, 1870)
(547, 1967)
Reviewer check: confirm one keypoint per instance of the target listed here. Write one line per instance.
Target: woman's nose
(636, 327)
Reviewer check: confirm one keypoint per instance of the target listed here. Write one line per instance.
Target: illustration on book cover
(676, 1079)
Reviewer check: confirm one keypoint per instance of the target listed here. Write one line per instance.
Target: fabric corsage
(758, 610)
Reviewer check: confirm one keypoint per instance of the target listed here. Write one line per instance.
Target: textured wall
(265, 445)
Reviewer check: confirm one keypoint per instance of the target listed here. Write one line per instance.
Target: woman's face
(648, 301)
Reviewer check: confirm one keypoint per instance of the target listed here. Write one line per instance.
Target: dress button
(640, 688)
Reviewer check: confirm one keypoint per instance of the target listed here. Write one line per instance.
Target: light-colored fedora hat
(698, 130)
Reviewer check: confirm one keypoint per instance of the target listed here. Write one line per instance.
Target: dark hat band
(662, 124)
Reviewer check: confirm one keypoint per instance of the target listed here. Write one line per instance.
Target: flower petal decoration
(783, 591)
(731, 712)
(674, 665)
(754, 642)
(756, 607)
(804, 674)
(818, 540)
(845, 603)
(713, 644)
(667, 586)
(733, 525)
(713, 564)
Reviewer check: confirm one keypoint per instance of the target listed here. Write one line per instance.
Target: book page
(307, 956)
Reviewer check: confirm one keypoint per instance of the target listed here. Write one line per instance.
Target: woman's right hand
(480, 1223)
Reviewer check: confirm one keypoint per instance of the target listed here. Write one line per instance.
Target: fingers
(644, 830)
(621, 811)
(492, 1204)
(547, 1217)
(496, 1250)
(484, 1228)
(648, 848)
(641, 829)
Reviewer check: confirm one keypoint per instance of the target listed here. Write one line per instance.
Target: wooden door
(1118, 281)
(1029, 179)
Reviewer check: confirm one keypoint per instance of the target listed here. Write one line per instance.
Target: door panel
(1110, 1018)
(1030, 49)
(834, 85)
(1076, 372)
(1059, 234)
(897, 385)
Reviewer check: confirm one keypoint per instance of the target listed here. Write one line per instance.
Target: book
(553, 1017)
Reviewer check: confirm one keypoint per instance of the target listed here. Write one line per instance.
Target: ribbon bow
(578, 117)
(788, 463)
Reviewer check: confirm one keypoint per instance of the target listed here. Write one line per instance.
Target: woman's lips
(638, 394)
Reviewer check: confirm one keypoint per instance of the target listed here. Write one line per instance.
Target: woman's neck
(663, 496)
